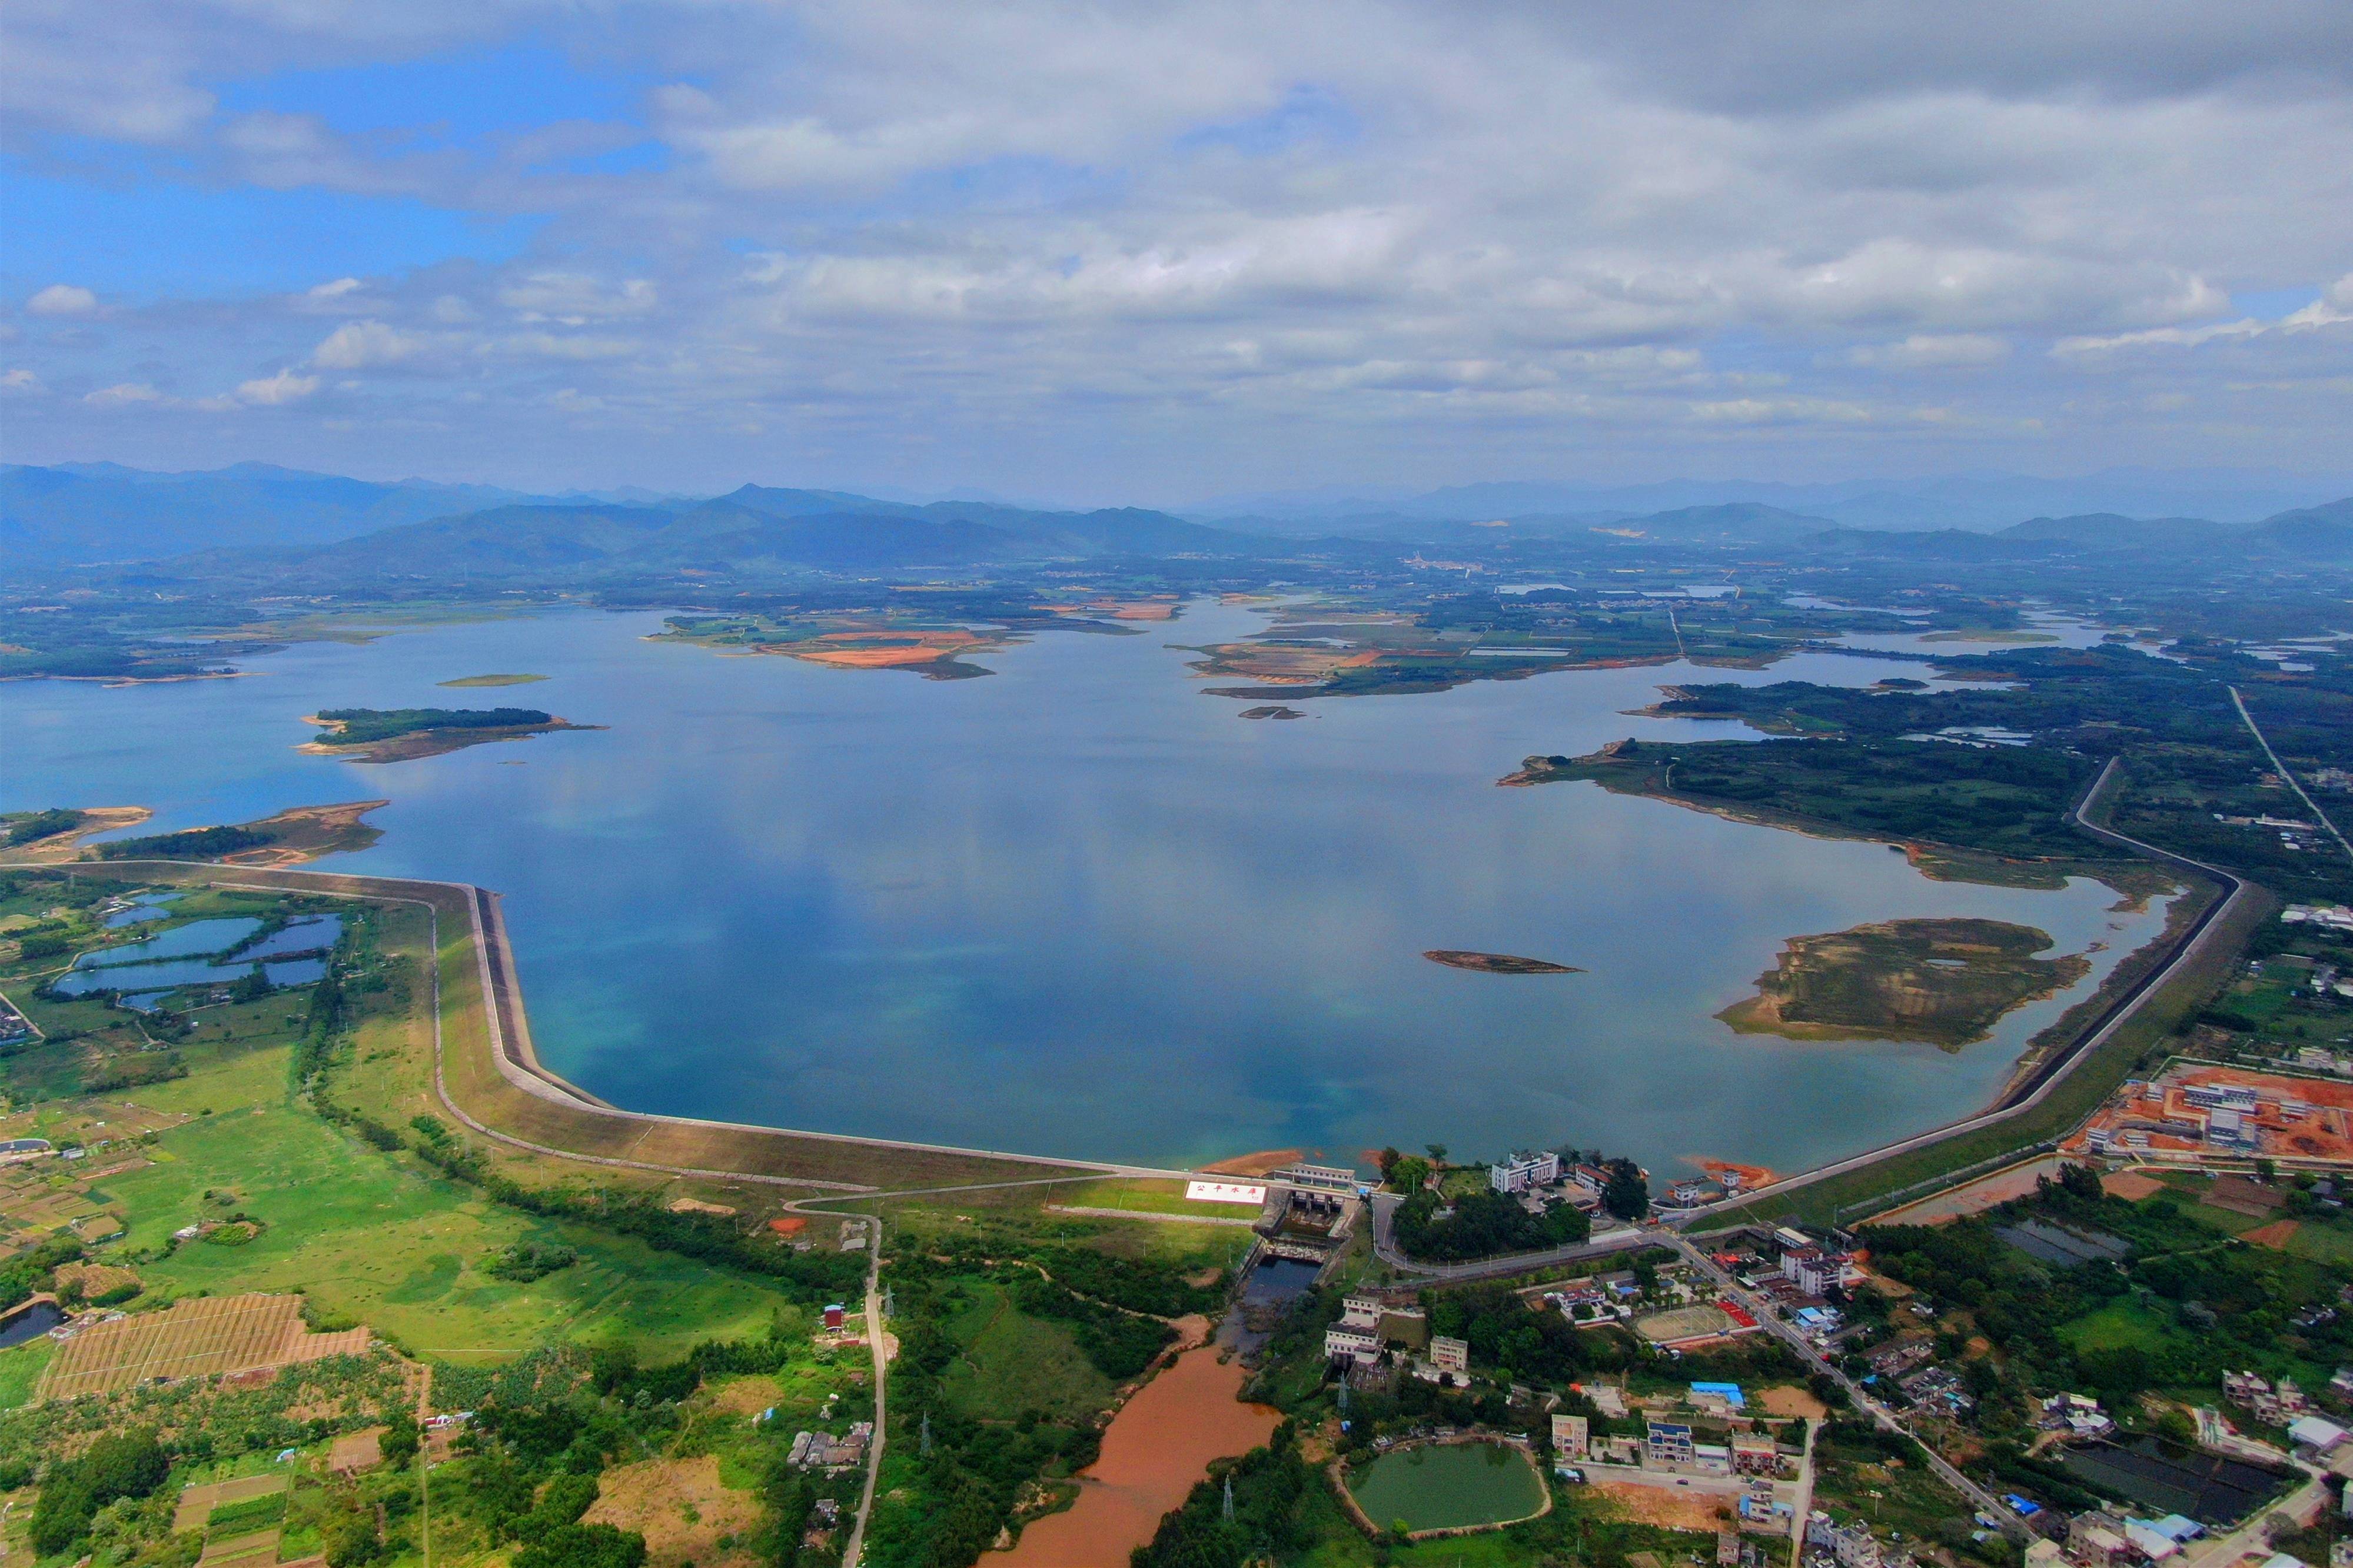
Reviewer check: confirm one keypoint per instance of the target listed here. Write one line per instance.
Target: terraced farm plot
(194, 1339)
(196, 1503)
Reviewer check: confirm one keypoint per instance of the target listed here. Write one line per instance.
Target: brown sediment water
(1156, 1449)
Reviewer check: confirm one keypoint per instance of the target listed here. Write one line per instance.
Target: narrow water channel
(1156, 1449)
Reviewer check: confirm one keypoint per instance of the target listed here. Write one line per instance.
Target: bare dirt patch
(2130, 1186)
(1788, 1399)
(1673, 1508)
(1257, 1164)
(2274, 1236)
(356, 1451)
(681, 1509)
(2239, 1196)
(745, 1395)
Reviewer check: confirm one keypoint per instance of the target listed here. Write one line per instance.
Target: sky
(1159, 253)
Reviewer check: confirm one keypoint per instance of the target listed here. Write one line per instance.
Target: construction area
(2192, 1112)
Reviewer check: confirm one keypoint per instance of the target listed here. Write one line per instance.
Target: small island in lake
(291, 838)
(1943, 982)
(1271, 710)
(1497, 963)
(399, 735)
(34, 837)
(493, 680)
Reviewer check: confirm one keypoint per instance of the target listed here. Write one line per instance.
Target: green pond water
(1449, 1488)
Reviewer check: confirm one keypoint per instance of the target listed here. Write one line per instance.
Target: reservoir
(1079, 907)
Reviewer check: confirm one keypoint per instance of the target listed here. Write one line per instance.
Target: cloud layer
(1100, 251)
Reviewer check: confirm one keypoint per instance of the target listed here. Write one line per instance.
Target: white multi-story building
(1521, 1171)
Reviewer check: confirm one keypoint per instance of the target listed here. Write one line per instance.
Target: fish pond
(1449, 1486)
(202, 954)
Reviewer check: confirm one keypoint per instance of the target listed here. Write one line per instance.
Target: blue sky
(1164, 253)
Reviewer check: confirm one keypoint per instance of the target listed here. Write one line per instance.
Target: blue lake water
(144, 906)
(305, 933)
(1082, 908)
(141, 985)
(196, 938)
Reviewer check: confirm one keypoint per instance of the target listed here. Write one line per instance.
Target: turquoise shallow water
(1079, 906)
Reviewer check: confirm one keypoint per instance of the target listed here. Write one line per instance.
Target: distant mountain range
(1980, 502)
(2318, 532)
(320, 528)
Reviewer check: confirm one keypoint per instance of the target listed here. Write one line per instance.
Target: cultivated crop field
(194, 1339)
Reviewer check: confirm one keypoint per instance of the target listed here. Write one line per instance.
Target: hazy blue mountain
(1982, 502)
(100, 511)
(2324, 530)
(1931, 544)
(752, 532)
(2107, 531)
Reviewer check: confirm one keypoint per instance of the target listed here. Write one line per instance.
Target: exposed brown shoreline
(1497, 963)
(418, 743)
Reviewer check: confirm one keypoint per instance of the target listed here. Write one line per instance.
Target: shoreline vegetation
(48, 837)
(469, 681)
(1944, 983)
(1336, 648)
(932, 635)
(1648, 769)
(405, 734)
(294, 837)
(1497, 963)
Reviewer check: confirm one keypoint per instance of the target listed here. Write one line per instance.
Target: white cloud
(123, 394)
(22, 383)
(362, 345)
(573, 298)
(1928, 351)
(1026, 240)
(284, 387)
(62, 300)
(2175, 337)
(1782, 410)
(2334, 308)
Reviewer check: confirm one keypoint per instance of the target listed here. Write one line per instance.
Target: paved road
(2034, 1088)
(881, 1372)
(1385, 1247)
(2310, 805)
(1985, 1502)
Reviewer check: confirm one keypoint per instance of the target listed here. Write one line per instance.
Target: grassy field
(1013, 1362)
(21, 1368)
(374, 1238)
(2121, 1327)
(1142, 1196)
